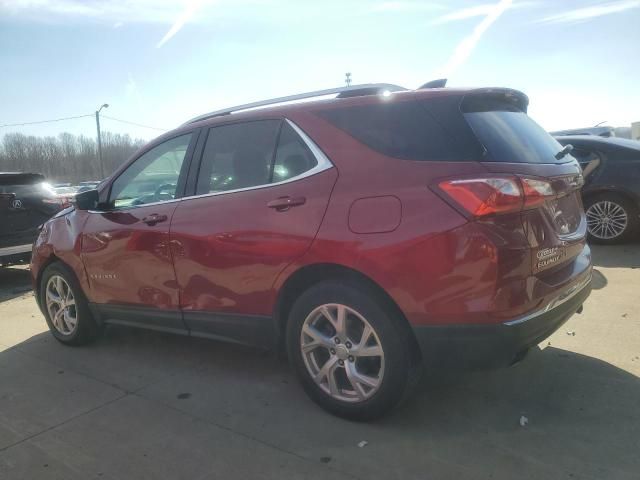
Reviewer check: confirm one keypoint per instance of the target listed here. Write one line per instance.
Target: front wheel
(351, 356)
(65, 307)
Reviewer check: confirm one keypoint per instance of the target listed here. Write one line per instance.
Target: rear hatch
(26, 202)
(555, 224)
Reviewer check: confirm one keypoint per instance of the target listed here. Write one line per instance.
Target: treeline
(67, 157)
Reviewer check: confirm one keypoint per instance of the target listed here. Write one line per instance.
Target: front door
(261, 196)
(125, 246)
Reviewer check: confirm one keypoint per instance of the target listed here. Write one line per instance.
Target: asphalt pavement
(146, 405)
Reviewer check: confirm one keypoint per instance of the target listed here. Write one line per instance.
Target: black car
(611, 192)
(26, 202)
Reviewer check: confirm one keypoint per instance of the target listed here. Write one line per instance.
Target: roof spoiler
(439, 83)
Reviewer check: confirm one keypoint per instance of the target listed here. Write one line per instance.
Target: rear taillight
(496, 195)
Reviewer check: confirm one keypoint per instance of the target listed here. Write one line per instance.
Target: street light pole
(102, 175)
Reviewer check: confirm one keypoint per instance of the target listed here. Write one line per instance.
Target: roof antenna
(439, 83)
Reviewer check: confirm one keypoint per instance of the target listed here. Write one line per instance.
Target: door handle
(283, 204)
(154, 218)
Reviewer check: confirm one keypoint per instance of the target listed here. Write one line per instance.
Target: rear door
(125, 246)
(262, 190)
(515, 144)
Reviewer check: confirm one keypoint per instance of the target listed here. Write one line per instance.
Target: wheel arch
(309, 275)
(51, 259)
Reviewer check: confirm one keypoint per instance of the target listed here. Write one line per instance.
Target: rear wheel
(65, 307)
(611, 219)
(350, 355)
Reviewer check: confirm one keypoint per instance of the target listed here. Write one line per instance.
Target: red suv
(366, 235)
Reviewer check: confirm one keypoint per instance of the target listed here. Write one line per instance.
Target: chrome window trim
(131, 207)
(16, 249)
(323, 164)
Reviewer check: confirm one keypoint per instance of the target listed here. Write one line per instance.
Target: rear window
(509, 135)
(404, 130)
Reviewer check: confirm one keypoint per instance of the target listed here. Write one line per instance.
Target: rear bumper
(475, 347)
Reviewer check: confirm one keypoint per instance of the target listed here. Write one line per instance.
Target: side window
(404, 130)
(293, 157)
(238, 156)
(153, 177)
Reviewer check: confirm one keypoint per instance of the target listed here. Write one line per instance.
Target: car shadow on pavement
(14, 282)
(558, 414)
(616, 256)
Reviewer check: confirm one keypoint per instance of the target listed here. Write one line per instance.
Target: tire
(619, 210)
(85, 329)
(396, 370)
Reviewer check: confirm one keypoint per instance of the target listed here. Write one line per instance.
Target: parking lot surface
(141, 405)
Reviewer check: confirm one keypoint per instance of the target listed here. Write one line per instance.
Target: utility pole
(347, 79)
(102, 175)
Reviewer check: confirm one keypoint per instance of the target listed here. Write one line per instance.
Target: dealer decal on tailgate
(548, 256)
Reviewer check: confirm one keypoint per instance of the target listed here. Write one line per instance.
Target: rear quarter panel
(426, 264)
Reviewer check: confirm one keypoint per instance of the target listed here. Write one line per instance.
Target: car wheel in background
(65, 307)
(350, 355)
(611, 219)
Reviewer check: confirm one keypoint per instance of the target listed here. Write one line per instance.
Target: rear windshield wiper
(564, 152)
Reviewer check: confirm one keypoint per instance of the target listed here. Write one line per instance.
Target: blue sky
(159, 63)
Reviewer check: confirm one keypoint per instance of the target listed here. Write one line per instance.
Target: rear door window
(238, 156)
(293, 157)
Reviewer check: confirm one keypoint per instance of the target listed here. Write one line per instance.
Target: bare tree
(66, 158)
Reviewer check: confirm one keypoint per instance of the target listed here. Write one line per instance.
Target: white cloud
(405, 6)
(174, 12)
(476, 11)
(140, 11)
(468, 44)
(589, 13)
(190, 10)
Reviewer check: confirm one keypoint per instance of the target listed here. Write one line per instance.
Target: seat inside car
(250, 167)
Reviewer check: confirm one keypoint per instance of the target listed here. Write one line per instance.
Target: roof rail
(353, 91)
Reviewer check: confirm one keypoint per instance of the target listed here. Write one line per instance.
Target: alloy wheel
(606, 220)
(61, 305)
(342, 353)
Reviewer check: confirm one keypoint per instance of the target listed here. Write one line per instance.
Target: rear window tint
(404, 130)
(509, 134)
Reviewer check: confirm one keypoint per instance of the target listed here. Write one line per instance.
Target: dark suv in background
(366, 236)
(611, 191)
(26, 202)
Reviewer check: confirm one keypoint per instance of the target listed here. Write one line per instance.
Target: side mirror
(87, 200)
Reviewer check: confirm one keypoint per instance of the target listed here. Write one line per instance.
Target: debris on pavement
(571, 333)
(325, 459)
(523, 421)
(363, 443)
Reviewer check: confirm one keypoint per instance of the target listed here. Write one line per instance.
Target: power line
(44, 121)
(133, 123)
